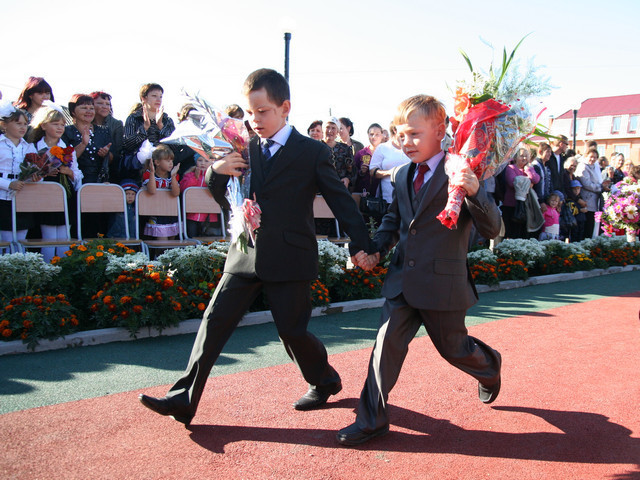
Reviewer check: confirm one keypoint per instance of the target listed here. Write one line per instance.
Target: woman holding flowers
(48, 127)
(589, 175)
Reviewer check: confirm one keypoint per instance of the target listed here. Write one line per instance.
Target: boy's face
(131, 196)
(266, 118)
(420, 137)
(575, 190)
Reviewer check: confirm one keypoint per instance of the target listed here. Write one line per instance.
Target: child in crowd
(116, 223)
(199, 224)
(161, 173)
(13, 148)
(579, 208)
(48, 126)
(551, 214)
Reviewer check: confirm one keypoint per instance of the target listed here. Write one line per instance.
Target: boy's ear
(442, 130)
(286, 107)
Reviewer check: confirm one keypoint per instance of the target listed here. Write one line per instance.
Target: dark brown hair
(33, 85)
(275, 85)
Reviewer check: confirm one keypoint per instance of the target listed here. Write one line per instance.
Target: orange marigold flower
(28, 299)
(125, 299)
(124, 314)
(68, 253)
(154, 276)
(167, 283)
(23, 335)
(177, 306)
(201, 307)
(37, 301)
(90, 259)
(82, 248)
(27, 323)
(4, 323)
(120, 245)
(7, 332)
(50, 299)
(55, 260)
(99, 254)
(137, 308)
(94, 307)
(108, 299)
(111, 250)
(100, 247)
(74, 321)
(25, 314)
(112, 308)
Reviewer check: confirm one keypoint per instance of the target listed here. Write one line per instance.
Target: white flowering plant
(332, 261)
(24, 274)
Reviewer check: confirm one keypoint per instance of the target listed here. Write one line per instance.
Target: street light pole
(287, 40)
(575, 127)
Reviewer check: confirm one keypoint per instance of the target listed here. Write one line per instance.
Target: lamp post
(287, 40)
(575, 127)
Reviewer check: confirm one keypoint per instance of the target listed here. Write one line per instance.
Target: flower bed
(104, 284)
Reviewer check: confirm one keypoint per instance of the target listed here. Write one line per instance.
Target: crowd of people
(552, 192)
(547, 192)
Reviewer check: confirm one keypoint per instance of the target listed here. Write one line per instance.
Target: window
(633, 124)
(590, 124)
(615, 125)
(602, 150)
(623, 149)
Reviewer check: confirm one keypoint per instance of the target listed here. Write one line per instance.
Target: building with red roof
(610, 121)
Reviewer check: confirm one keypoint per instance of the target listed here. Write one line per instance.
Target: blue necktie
(266, 148)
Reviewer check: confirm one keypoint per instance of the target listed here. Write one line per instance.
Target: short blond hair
(425, 105)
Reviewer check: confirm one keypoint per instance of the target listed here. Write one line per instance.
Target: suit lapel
(284, 156)
(255, 160)
(436, 183)
(402, 185)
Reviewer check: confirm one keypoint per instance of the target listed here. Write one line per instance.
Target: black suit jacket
(285, 247)
(557, 173)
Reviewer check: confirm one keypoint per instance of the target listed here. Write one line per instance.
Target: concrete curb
(108, 335)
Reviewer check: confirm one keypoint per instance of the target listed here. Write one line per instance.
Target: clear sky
(353, 58)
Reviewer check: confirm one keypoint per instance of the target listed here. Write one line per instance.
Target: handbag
(373, 206)
(103, 174)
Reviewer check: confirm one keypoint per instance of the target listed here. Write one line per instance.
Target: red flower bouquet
(488, 124)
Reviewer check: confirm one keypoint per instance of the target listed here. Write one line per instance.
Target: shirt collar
(435, 160)
(282, 135)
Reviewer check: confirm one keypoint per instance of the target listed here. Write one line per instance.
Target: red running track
(568, 410)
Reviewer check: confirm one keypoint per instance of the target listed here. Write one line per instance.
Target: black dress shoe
(167, 406)
(489, 393)
(315, 398)
(352, 435)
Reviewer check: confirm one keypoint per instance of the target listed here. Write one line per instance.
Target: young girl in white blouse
(13, 148)
(48, 126)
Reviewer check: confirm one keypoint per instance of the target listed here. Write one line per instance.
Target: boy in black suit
(287, 170)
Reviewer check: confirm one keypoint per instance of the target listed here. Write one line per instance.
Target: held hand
(231, 164)
(16, 185)
(145, 117)
(53, 172)
(466, 179)
(104, 150)
(159, 117)
(174, 171)
(345, 180)
(86, 136)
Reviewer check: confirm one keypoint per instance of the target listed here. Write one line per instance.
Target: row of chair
(110, 198)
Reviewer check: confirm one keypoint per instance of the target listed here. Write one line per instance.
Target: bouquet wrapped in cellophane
(212, 134)
(489, 123)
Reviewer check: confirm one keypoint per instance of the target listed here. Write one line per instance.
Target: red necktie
(419, 180)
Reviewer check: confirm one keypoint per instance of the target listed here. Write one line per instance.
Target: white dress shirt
(11, 156)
